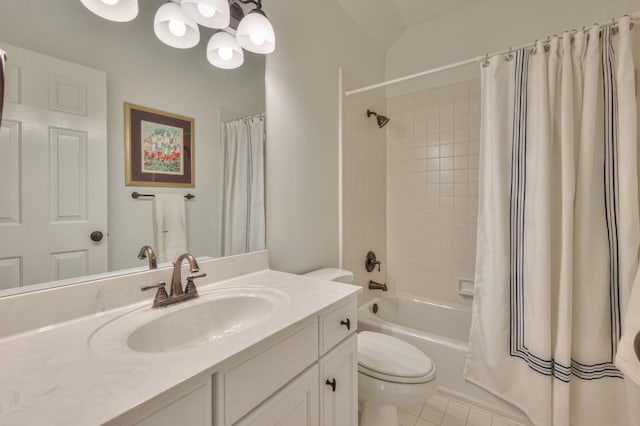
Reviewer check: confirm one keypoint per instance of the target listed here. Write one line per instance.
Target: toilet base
(376, 414)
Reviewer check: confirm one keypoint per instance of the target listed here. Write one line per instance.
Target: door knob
(96, 236)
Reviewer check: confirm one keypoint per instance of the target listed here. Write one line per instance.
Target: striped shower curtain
(242, 216)
(558, 228)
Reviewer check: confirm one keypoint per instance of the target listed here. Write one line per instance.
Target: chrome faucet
(177, 294)
(147, 252)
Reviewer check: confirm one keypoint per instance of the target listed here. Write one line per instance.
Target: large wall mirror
(69, 75)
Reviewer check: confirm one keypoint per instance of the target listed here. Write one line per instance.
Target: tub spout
(377, 286)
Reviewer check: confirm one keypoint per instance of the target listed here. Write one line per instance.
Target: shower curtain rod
(481, 58)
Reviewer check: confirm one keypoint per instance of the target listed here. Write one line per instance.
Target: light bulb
(225, 53)
(177, 28)
(257, 38)
(110, 2)
(206, 10)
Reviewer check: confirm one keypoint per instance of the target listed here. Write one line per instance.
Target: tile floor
(441, 410)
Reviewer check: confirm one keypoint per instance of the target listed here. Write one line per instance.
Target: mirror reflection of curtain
(3, 62)
(242, 227)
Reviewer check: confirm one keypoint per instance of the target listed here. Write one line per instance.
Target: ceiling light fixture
(223, 51)
(208, 13)
(176, 24)
(255, 32)
(174, 28)
(113, 10)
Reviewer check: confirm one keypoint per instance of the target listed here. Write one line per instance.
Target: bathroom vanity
(261, 348)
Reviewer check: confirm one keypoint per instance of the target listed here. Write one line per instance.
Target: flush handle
(331, 383)
(346, 323)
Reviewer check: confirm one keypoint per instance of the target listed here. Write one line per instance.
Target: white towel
(169, 226)
(626, 358)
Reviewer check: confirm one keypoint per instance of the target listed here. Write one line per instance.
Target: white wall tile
(432, 190)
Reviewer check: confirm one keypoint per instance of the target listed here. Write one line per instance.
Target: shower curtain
(242, 227)
(558, 229)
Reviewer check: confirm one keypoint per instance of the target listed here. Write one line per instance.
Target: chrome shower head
(381, 119)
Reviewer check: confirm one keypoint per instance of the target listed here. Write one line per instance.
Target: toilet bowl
(391, 372)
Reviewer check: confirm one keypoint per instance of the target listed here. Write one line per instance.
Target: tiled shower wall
(432, 189)
(364, 187)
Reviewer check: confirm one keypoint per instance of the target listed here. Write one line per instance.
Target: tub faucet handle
(371, 262)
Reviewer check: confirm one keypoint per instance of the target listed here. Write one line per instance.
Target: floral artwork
(162, 147)
(159, 148)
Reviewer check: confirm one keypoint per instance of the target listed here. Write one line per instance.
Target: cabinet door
(193, 409)
(339, 385)
(294, 405)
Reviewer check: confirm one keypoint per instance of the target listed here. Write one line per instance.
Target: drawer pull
(331, 383)
(346, 323)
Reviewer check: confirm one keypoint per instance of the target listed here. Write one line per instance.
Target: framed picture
(159, 148)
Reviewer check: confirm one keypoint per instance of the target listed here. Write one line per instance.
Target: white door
(339, 382)
(53, 170)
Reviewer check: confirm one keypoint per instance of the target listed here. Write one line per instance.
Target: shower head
(381, 119)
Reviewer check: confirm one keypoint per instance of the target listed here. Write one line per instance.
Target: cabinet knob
(346, 323)
(331, 383)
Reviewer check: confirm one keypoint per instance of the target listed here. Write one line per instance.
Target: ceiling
(385, 20)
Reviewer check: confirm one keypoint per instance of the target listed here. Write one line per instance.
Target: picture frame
(159, 148)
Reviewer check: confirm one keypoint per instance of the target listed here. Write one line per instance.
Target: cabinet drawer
(338, 324)
(248, 384)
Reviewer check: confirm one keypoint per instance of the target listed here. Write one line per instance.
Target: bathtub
(440, 330)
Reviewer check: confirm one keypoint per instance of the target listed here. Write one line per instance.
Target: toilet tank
(332, 274)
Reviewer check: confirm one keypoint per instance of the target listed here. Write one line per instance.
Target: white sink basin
(209, 318)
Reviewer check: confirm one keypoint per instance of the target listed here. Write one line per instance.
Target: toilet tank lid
(332, 274)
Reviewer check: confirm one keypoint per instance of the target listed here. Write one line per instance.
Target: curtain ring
(509, 56)
(485, 62)
(534, 49)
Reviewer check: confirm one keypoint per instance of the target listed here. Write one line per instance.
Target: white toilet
(391, 372)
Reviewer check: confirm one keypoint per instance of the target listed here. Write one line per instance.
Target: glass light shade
(255, 33)
(223, 51)
(208, 13)
(174, 28)
(118, 11)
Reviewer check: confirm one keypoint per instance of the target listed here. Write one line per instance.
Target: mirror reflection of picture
(162, 148)
(159, 148)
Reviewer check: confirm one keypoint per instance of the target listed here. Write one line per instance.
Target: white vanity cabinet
(305, 375)
(339, 375)
(293, 381)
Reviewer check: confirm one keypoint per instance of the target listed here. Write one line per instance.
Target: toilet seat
(388, 358)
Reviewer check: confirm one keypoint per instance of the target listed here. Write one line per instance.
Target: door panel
(53, 174)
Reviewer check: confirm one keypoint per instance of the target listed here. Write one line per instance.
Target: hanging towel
(626, 358)
(169, 226)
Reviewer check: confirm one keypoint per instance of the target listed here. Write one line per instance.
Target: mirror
(136, 68)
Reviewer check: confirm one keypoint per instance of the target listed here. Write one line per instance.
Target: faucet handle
(161, 294)
(191, 286)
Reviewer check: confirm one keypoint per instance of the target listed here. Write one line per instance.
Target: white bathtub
(440, 330)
